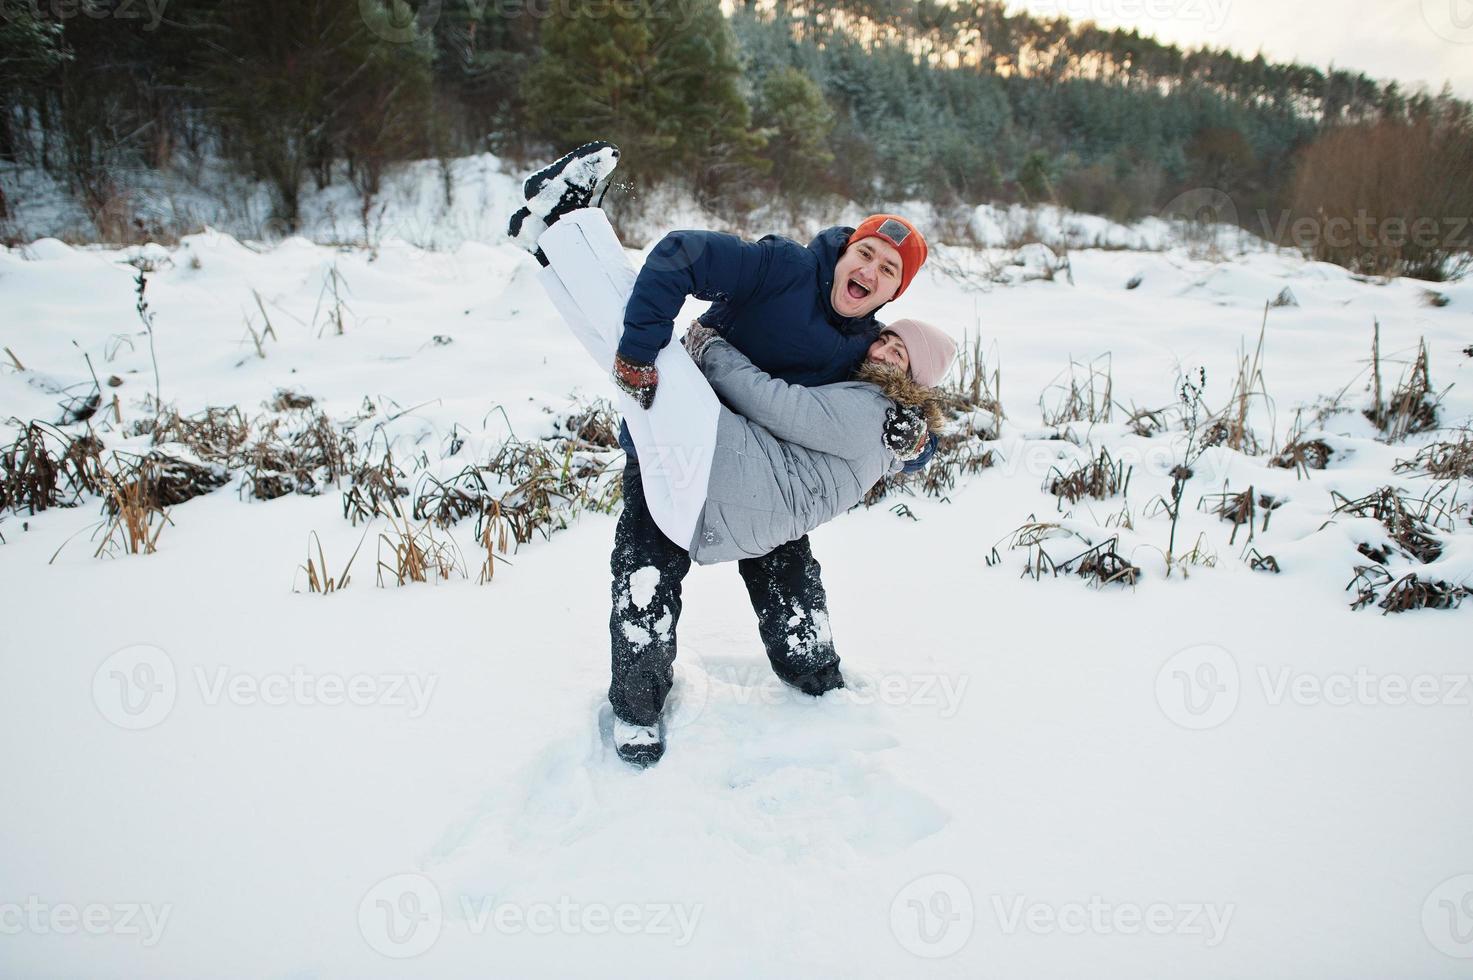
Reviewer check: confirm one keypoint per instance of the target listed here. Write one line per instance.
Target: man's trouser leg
(648, 568)
(792, 611)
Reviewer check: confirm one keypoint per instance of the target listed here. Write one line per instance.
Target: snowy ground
(211, 773)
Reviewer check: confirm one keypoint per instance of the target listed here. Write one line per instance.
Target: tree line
(866, 100)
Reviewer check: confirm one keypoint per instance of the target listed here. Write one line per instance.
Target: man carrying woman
(817, 402)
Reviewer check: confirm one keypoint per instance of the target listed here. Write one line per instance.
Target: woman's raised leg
(589, 279)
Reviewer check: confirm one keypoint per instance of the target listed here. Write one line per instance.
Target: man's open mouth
(858, 290)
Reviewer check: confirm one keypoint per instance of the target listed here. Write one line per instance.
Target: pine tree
(798, 125)
(658, 77)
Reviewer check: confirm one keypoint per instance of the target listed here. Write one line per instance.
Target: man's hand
(637, 379)
(905, 431)
(697, 339)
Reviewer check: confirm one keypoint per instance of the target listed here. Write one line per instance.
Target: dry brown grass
(1087, 395)
(1101, 479)
(414, 555)
(1303, 455)
(1443, 460)
(1407, 524)
(1412, 406)
(291, 453)
(1241, 508)
(1262, 563)
(215, 434)
(1230, 427)
(31, 473)
(374, 487)
(1404, 594)
(1099, 564)
(1148, 422)
(138, 492)
(318, 579)
(594, 426)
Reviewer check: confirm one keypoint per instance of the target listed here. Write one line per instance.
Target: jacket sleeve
(708, 265)
(919, 463)
(841, 420)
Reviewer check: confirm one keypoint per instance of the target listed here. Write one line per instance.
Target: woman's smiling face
(889, 349)
(866, 277)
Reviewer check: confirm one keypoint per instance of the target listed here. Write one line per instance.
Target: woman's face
(889, 349)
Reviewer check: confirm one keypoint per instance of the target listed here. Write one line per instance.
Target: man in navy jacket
(802, 314)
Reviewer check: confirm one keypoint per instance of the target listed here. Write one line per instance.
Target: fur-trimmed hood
(896, 384)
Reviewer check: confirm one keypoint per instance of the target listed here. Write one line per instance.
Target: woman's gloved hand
(637, 379)
(905, 431)
(697, 339)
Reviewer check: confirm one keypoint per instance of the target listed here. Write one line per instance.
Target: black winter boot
(575, 180)
(815, 684)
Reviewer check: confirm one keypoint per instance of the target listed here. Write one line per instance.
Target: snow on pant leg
(589, 279)
(648, 568)
(792, 609)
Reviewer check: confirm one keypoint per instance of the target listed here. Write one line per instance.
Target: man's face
(889, 349)
(866, 277)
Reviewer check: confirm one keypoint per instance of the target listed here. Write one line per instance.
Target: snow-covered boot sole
(638, 745)
(534, 184)
(575, 180)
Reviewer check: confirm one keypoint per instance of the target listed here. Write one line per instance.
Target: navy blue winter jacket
(770, 299)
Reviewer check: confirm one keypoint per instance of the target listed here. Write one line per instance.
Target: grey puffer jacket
(787, 458)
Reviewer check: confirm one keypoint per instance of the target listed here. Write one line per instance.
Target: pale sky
(1411, 41)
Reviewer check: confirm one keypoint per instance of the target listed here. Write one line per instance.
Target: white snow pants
(589, 279)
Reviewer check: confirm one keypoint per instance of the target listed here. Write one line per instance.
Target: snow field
(1220, 775)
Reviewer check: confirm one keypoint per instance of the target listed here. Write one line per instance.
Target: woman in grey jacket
(736, 476)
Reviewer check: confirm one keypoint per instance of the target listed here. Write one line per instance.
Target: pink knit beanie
(931, 351)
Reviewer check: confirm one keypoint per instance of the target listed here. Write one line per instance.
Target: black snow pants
(648, 568)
